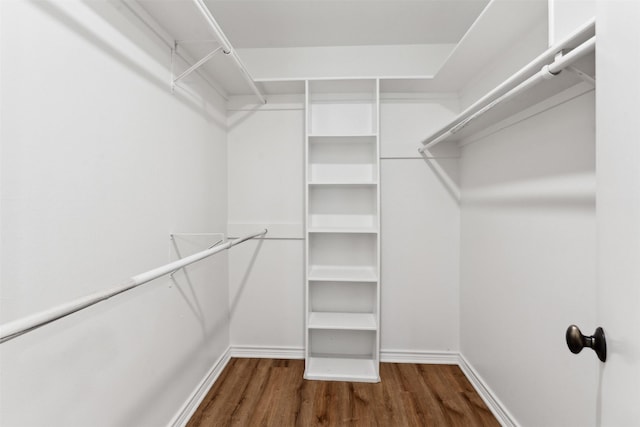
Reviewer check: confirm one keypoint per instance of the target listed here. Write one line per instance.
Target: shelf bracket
(578, 72)
(584, 76)
(185, 73)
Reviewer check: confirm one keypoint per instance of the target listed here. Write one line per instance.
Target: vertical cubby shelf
(342, 198)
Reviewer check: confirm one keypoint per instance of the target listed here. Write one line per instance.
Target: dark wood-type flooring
(268, 392)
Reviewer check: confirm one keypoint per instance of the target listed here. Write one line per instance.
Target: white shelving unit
(342, 211)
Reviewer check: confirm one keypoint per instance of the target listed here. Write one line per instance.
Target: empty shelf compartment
(343, 297)
(342, 274)
(343, 107)
(348, 159)
(344, 207)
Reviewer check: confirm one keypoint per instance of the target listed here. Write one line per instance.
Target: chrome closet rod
(26, 324)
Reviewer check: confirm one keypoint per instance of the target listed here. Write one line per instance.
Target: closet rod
(581, 34)
(547, 72)
(18, 327)
(226, 47)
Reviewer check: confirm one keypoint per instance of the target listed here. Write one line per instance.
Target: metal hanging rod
(226, 47)
(18, 327)
(513, 88)
(547, 72)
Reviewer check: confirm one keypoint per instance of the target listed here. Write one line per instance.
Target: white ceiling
(304, 23)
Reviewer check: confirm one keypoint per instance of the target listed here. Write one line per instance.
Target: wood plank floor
(271, 392)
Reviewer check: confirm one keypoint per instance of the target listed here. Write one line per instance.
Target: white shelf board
(344, 182)
(322, 273)
(336, 174)
(366, 230)
(342, 135)
(358, 139)
(341, 369)
(346, 321)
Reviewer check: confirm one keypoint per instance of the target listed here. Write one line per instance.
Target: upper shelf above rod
(227, 49)
(166, 21)
(542, 68)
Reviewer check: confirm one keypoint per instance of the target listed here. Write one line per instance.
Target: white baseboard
(183, 416)
(393, 356)
(495, 405)
(424, 357)
(264, 352)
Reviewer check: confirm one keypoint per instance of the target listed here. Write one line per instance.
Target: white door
(618, 209)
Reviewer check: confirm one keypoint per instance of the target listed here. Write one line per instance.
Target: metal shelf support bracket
(175, 80)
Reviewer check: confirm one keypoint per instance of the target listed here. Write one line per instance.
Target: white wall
(100, 163)
(528, 263)
(266, 298)
(266, 189)
(565, 16)
(420, 230)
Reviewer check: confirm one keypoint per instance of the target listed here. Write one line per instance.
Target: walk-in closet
(319, 213)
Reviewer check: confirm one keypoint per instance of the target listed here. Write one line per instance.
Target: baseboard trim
(486, 394)
(189, 407)
(264, 352)
(423, 357)
(392, 356)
